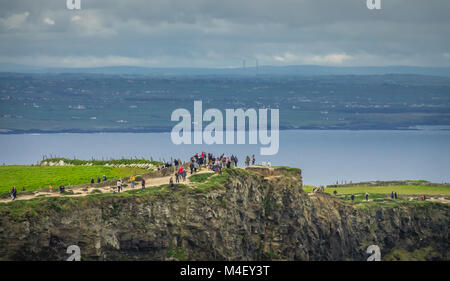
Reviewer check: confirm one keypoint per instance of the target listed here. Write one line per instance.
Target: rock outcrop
(259, 214)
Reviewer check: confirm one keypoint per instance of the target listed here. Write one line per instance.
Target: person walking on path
(99, 180)
(392, 195)
(253, 159)
(13, 193)
(119, 185)
(335, 192)
(191, 167)
(177, 177)
(143, 183)
(395, 195)
(133, 178)
(235, 161)
(196, 167)
(353, 197)
(183, 175)
(247, 161)
(367, 196)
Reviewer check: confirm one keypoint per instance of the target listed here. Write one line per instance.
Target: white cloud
(75, 18)
(331, 59)
(447, 55)
(81, 61)
(15, 21)
(49, 21)
(303, 58)
(92, 24)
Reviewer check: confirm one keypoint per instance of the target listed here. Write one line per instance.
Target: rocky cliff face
(259, 214)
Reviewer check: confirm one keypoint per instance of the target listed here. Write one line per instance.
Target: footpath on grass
(162, 178)
(83, 190)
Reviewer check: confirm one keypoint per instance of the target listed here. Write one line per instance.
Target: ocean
(325, 156)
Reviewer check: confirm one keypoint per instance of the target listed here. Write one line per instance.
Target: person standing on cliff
(247, 161)
(253, 159)
(133, 178)
(183, 175)
(119, 185)
(196, 167)
(13, 193)
(191, 167)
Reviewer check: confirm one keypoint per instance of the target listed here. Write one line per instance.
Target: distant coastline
(168, 130)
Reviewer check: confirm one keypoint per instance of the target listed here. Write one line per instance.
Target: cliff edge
(254, 214)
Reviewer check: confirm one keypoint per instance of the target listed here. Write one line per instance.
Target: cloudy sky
(211, 33)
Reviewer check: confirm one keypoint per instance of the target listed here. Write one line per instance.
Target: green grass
(22, 210)
(213, 181)
(422, 254)
(400, 189)
(38, 177)
(103, 162)
(271, 256)
(200, 177)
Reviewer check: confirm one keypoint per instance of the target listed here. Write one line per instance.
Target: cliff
(253, 214)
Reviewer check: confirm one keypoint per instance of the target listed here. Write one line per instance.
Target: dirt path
(80, 191)
(432, 199)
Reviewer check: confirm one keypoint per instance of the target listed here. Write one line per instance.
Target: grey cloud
(221, 33)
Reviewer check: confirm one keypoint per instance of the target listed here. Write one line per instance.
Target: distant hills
(304, 70)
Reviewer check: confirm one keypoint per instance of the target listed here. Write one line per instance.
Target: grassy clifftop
(238, 215)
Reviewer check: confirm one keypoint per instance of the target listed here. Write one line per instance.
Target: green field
(38, 177)
(102, 162)
(400, 189)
